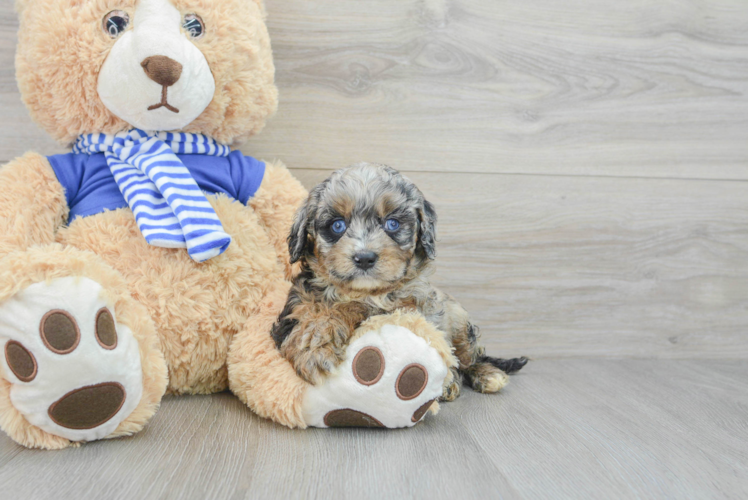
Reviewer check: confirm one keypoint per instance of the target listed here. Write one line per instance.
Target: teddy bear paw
(390, 378)
(74, 371)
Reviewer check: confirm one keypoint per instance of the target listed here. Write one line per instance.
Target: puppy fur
(335, 292)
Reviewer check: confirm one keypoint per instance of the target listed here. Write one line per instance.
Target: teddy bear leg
(396, 367)
(258, 374)
(80, 359)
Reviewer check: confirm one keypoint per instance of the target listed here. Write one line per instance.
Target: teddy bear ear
(21, 4)
(260, 4)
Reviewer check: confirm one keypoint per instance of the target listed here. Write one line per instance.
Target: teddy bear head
(200, 66)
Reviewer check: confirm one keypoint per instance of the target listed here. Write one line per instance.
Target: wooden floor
(589, 163)
(570, 428)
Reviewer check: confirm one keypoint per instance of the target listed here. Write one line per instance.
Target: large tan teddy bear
(152, 259)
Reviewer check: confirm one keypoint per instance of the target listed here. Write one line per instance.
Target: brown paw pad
(350, 418)
(60, 331)
(421, 411)
(368, 366)
(411, 382)
(88, 407)
(20, 361)
(106, 333)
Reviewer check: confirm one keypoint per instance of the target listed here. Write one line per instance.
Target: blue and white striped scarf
(170, 209)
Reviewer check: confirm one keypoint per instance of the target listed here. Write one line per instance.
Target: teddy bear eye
(116, 22)
(194, 25)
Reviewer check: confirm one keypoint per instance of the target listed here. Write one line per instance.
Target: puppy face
(365, 228)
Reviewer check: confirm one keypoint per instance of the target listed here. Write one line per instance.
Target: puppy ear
(303, 224)
(297, 240)
(427, 229)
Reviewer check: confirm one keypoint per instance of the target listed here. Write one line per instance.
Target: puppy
(366, 238)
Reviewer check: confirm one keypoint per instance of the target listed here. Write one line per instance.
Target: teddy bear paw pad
(350, 418)
(390, 378)
(74, 371)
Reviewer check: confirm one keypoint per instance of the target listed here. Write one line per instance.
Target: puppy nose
(162, 70)
(365, 260)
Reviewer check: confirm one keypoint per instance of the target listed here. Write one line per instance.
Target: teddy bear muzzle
(156, 57)
(166, 72)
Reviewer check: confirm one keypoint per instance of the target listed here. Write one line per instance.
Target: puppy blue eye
(392, 225)
(338, 227)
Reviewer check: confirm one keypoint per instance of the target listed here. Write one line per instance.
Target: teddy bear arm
(258, 375)
(405, 345)
(275, 203)
(32, 205)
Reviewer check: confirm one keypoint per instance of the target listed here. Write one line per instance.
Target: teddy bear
(152, 259)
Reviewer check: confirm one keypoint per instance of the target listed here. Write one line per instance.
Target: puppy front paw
(314, 365)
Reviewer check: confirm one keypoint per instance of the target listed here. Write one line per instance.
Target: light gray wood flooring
(569, 428)
(589, 163)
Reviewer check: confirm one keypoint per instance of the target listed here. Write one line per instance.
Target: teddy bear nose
(162, 70)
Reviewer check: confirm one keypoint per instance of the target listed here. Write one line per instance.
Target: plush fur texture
(195, 310)
(416, 323)
(184, 315)
(402, 340)
(61, 47)
(258, 374)
(183, 297)
(278, 200)
(39, 264)
(32, 204)
(201, 328)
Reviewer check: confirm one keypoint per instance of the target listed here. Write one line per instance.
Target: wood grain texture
(555, 139)
(595, 259)
(582, 87)
(561, 429)
(18, 133)
(562, 266)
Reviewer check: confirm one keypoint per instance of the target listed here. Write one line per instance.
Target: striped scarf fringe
(170, 209)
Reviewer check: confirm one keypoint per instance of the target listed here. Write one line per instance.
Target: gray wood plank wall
(588, 159)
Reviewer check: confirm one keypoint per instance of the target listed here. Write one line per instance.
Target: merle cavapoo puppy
(366, 238)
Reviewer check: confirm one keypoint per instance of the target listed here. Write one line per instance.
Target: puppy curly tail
(507, 366)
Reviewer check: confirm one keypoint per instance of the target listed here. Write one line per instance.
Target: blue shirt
(90, 187)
